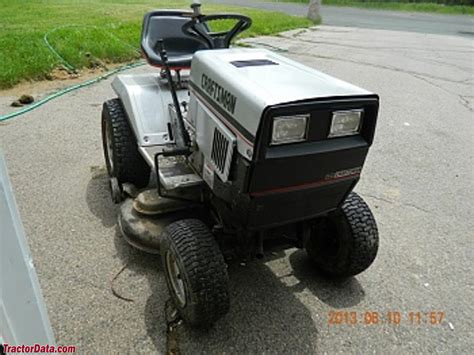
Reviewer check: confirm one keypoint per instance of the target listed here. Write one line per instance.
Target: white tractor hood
(242, 82)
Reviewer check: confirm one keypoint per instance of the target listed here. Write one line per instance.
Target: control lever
(181, 135)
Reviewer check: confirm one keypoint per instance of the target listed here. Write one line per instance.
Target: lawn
(404, 5)
(88, 31)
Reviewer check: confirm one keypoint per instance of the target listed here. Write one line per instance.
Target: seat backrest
(166, 25)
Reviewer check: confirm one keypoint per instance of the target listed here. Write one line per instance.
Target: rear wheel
(123, 160)
(195, 272)
(345, 243)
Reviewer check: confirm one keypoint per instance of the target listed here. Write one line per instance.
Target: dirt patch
(98, 171)
(62, 74)
(59, 78)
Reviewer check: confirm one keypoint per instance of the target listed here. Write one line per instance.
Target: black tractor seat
(167, 25)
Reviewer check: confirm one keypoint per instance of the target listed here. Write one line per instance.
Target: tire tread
(365, 234)
(360, 236)
(130, 165)
(204, 267)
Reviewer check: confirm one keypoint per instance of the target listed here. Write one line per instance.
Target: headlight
(345, 123)
(289, 129)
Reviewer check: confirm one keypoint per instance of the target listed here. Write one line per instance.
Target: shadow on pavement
(335, 293)
(266, 312)
(98, 197)
(265, 317)
(148, 265)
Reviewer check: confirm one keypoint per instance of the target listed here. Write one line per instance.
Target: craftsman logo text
(226, 99)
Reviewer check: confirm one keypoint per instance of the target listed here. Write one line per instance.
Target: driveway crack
(410, 205)
(399, 70)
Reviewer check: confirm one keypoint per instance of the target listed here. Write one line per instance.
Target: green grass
(397, 6)
(87, 30)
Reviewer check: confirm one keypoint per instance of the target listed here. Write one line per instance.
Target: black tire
(122, 157)
(345, 243)
(191, 248)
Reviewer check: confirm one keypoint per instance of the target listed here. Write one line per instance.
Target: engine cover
(239, 84)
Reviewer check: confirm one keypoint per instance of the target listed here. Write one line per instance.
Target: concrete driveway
(418, 181)
(459, 25)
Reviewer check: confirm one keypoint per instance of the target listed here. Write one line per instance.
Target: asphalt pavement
(370, 18)
(418, 180)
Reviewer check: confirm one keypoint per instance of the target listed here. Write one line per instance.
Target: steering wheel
(197, 28)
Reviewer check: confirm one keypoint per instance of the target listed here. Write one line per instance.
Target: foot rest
(176, 173)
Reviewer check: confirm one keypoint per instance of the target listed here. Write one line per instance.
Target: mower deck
(142, 219)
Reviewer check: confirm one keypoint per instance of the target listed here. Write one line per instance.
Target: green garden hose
(61, 58)
(51, 48)
(71, 67)
(69, 89)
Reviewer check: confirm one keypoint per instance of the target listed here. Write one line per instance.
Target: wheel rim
(109, 147)
(174, 275)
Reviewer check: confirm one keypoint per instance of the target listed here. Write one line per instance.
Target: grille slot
(220, 146)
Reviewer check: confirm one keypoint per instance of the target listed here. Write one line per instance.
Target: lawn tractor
(223, 151)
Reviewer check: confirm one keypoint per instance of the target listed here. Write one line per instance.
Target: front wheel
(344, 243)
(195, 272)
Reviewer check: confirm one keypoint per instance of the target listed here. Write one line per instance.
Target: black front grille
(220, 146)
